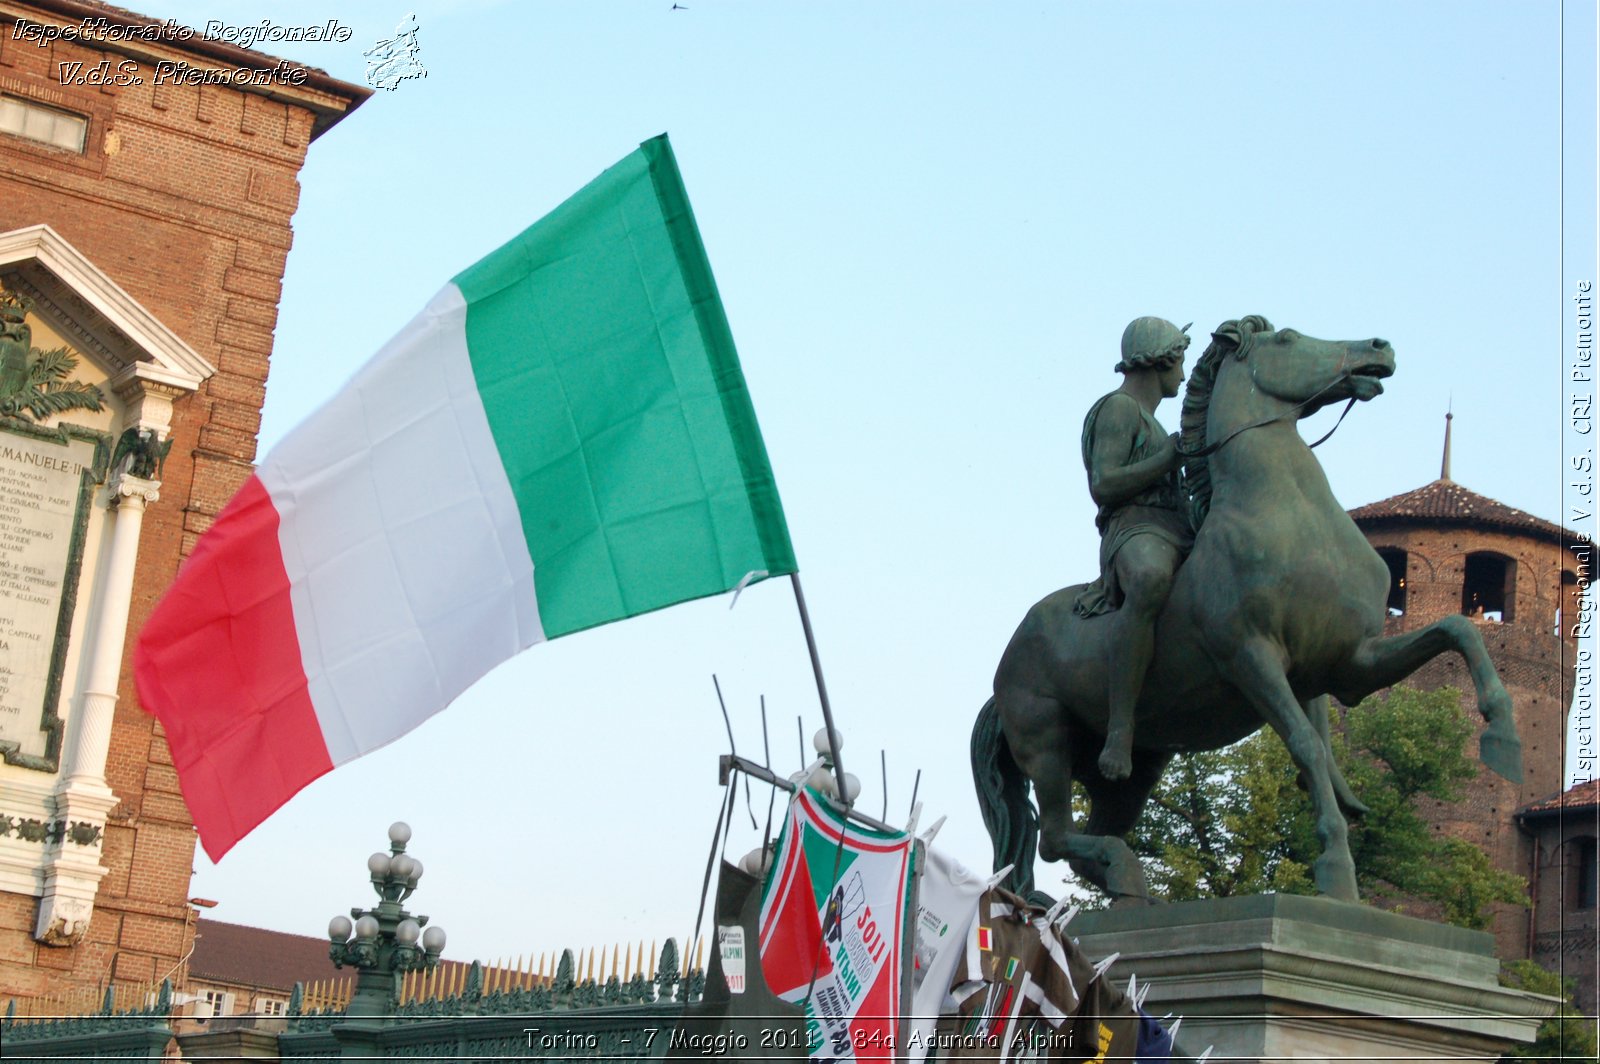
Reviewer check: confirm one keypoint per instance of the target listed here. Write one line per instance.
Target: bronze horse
(1280, 605)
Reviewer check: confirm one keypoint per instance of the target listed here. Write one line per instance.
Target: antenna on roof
(1444, 466)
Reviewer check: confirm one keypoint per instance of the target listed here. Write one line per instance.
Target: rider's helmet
(1152, 343)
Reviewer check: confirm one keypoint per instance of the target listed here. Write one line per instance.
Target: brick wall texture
(183, 196)
(1535, 663)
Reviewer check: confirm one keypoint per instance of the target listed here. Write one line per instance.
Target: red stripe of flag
(242, 730)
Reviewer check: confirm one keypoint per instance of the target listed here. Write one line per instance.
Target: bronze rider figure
(1143, 518)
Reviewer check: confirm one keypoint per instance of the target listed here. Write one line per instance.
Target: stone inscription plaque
(47, 479)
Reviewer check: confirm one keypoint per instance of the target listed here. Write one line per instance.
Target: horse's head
(1302, 370)
(1253, 375)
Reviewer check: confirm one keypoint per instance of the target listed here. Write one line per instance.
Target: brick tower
(1451, 550)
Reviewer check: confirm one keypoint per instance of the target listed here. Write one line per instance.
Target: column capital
(122, 487)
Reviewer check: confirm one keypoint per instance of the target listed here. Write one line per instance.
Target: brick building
(1520, 579)
(1562, 881)
(240, 970)
(237, 971)
(144, 228)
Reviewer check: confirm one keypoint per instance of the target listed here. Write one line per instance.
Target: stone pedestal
(1288, 978)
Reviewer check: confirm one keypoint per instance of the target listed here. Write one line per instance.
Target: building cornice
(328, 98)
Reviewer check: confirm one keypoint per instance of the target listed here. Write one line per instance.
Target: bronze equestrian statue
(1280, 605)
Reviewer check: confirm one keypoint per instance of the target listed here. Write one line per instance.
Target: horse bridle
(1213, 448)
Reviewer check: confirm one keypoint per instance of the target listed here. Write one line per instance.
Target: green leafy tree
(1568, 1035)
(1236, 821)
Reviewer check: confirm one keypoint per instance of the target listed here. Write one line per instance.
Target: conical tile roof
(1444, 502)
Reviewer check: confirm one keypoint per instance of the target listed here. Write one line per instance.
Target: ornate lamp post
(388, 940)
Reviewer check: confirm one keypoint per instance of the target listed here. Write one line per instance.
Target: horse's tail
(1003, 798)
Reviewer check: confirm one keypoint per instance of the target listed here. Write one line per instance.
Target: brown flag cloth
(1025, 992)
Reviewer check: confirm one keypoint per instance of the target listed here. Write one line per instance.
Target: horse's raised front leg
(1379, 662)
(1256, 669)
(1317, 712)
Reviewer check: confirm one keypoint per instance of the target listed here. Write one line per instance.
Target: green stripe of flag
(608, 375)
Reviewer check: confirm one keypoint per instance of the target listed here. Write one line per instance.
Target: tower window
(1582, 877)
(1488, 591)
(1395, 559)
(59, 129)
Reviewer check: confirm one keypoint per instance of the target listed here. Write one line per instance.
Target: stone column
(72, 871)
(85, 761)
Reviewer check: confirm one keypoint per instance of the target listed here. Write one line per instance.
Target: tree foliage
(1568, 1035)
(1236, 821)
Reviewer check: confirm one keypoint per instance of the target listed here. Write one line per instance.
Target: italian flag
(561, 438)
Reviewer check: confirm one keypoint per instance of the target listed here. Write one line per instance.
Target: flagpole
(822, 688)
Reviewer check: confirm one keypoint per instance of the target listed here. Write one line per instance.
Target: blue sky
(929, 223)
